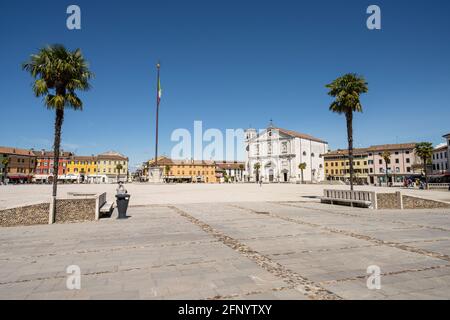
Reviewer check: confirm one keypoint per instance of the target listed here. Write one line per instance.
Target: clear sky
(230, 64)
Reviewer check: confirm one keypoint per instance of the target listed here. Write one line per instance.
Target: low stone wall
(410, 202)
(25, 216)
(75, 210)
(388, 201)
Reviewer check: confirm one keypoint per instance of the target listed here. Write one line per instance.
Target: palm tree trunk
(387, 177)
(303, 182)
(56, 147)
(425, 171)
(349, 118)
(5, 171)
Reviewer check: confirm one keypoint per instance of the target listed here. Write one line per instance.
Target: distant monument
(155, 173)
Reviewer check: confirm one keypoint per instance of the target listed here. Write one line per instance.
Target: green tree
(302, 166)
(5, 163)
(58, 74)
(347, 90)
(167, 169)
(241, 170)
(424, 151)
(257, 166)
(119, 167)
(386, 155)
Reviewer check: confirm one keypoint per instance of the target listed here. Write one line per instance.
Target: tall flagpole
(158, 66)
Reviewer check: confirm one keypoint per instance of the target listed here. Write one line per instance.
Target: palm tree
(167, 169)
(302, 166)
(347, 90)
(82, 173)
(424, 151)
(5, 163)
(241, 169)
(386, 155)
(257, 166)
(118, 168)
(58, 73)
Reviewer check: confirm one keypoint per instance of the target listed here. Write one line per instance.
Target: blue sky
(230, 64)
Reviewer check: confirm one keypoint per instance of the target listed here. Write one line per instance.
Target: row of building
(280, 155)
(275, 155)
(194, 171)
(27, 166)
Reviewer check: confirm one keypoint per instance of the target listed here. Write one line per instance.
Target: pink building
(403, 163)
(447, 137)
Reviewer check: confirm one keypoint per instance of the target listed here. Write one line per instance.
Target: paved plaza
(147, 194)
(292, 247)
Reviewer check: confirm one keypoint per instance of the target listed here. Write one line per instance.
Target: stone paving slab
(234, 250)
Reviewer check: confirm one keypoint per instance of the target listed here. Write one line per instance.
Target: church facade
(274, 155)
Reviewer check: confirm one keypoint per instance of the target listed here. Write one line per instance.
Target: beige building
(337, 166)
(107, 167)
(190, 171)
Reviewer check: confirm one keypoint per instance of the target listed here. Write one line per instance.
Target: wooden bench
(365, 199)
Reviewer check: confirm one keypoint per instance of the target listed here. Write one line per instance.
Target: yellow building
(194, 171)
(337, 166)
(108, 163)
(82, 166)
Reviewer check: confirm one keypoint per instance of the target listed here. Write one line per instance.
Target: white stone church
(279, 152)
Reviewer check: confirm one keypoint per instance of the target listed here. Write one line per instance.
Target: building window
(408, 160)
(284, 147)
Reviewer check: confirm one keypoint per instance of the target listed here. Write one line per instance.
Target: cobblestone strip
(87, 251)
(358, 236)
(240, 295)
(324, 250)
(294, 280)
(393, 273)
(290, 204)
(117, 269)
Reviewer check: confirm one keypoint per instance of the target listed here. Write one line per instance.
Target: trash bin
(122, 200)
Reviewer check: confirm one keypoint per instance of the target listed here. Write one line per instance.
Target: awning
(68, 177)
(18, 177)
(40, 177)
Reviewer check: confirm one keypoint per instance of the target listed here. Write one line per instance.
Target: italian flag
(159, 91)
